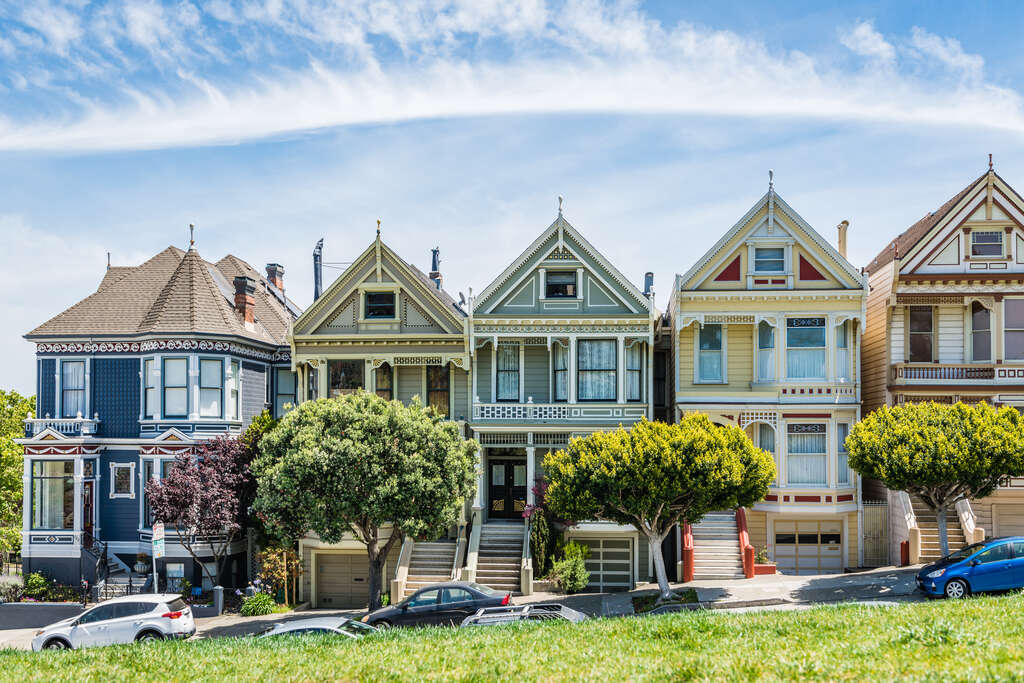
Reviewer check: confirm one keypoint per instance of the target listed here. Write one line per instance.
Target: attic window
(769, 260)
(560, 285)
(380, 304)
(988, 243)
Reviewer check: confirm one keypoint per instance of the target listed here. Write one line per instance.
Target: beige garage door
(1009, 520)
(809, 547)
(610, 563)
(342, 581)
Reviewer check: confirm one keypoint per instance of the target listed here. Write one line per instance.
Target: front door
(87, 509)
(507, 488)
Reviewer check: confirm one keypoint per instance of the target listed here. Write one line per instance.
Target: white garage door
(1008, 520)
(610, 563)
(342, 580)
(809, 547)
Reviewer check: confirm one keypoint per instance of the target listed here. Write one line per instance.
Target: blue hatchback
(993, 565)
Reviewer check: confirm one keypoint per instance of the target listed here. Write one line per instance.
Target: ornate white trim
(163, 345)
(576, 328)
(770, 417)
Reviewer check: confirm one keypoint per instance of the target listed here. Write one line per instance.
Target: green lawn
(974, 639)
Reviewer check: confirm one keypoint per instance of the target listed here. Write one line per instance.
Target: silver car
(323, 625)
(131, 619)
(491, 616)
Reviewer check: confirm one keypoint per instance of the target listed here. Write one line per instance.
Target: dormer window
(560, 285)
(380, 305)
(987, 243)
(769, 260)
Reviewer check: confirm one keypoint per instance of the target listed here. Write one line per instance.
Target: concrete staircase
(500, 558)
(431, 562)
(926, 522)
(716, 547)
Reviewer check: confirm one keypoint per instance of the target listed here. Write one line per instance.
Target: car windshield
(356, 628)
(486, 590)
(965, 552)
(177, 605)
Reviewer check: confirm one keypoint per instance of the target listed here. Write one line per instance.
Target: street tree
(14, 408)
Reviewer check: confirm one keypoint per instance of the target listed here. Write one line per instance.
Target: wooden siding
(536, 362)
(852, 540)
(461, 409)
(757, 527)
(483, 374)
(739, 349)
(898, 334)
(410, 383)
(984, 511)
(951, 334)
(874, 350)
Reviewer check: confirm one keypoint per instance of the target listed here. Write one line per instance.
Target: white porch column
(494, 370)
(322, 390)
(193, 391)
(780, 348)
(481, 480)
(620, 374)
(78, 495)
(572, 370)
(531, 473)
(650, 383)
(26, 505)
(833, 454)
(830, 348)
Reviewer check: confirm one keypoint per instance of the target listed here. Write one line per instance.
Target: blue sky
(270, 124)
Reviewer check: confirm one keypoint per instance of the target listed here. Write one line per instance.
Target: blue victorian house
(161, 356)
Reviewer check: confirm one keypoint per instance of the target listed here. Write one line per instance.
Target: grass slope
(973, 639)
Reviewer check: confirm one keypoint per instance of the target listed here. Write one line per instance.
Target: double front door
(507, 488)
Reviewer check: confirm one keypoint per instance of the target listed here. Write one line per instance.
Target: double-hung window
(981, 333)
(438, 386)
(380, 305)
(234, 382)
(921, 334)
(1013, 336)
(151, 392)
(843, 467)
(987, 243)
(769, 259)
(383, 377)
(843, 351)
(765, 352)
(805, 348)
(175, 385)
(211, 387)
(560, 285)
(597, 366)
(285, 391)
(561, 372)
(807, 454)
(53, 494)
(709, 355)
(634, 372)
(508, 372)
(72, 388)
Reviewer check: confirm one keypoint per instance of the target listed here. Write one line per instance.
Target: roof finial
(191, 237)
(990, 161)
(559, 205)
(771, 180)
(378, 227)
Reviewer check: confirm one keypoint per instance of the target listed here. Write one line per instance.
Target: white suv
(134, 618)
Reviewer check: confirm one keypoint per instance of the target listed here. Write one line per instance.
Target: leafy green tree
(14, 408)
(361, 465)
(655, 474)
(940, 453)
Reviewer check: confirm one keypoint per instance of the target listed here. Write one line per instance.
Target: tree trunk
(659, 566)
(376, 569)
(940, 520)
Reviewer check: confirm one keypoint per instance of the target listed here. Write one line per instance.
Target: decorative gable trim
(808, 271)
(165, 345)
(731, 273)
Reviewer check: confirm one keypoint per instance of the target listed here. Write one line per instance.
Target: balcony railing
(942, 372)
(550, 412)
(70, 426)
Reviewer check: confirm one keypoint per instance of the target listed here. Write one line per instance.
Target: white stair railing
(401, 571)
(969, 522)
(906, 508)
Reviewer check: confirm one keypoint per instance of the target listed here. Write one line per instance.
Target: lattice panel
(740, 319)
(928, 299)
(767, 416)
(502, 439)
(418, 360)
(551, 438)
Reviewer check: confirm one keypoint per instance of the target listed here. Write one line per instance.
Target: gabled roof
(778, 205)
(560, 224)
(916, 232)
(175, 292)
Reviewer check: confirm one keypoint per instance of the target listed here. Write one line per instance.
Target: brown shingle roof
(912, 235)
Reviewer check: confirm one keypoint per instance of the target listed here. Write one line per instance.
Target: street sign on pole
(158, 548)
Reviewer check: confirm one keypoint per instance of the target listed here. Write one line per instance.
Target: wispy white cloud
(864, 40)
(948, 52)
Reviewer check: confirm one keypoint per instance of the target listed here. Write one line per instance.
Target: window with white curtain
(843, 472)
(53, 494)
(765, 352)
(807, 454)
(211, 387)
(234, 381)
(769, 260)
(843, 351)
(561, 372)
(596, 370)
(805, 348)
(981, 333)
(634, 371)
(150, 398)
(709, 362)
(175, 384)
(508, 372)
(72, 388)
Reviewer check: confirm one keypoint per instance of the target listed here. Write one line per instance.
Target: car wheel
(382, 624)
(148, 637)
(956, 589)
(56, 644)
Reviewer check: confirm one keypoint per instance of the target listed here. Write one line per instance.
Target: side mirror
(973, 563)
(405, 607)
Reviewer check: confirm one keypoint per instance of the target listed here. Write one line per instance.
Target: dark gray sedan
(440, 604)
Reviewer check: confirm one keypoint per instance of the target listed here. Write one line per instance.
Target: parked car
(324, 625)
(131, 619)
(491, 616)
(442, 603)
(993, 565)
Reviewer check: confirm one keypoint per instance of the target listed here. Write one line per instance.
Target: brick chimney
(435, 265)
(245, 299)
(842, 227)
(275, 273)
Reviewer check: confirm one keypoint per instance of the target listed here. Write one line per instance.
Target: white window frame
(839, 444)
(725, 355)
(828, 456)
(969, 314)
(60, 385)
(130, 466)
(220, 386)
(520, 353)
(843, 330)
(780, 271)
(1002, 244)
(233, 390)
(157, 392)
(164, 387)
(827, 347)
(1006, 328)
(376, 288)
(772, 364)
(295, 388)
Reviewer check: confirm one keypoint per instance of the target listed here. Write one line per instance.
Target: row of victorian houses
(772, 330)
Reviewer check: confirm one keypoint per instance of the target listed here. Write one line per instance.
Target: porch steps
(716, 547)
(931, 549)
(500, 558)
(431, 562)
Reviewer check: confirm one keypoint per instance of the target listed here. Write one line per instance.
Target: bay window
(53, 494)
(438, 385)
(597, 367)
(921, 334)
(150, 397)
(211, 387)
(634, 371)
(344, 377)
(285, 391)
(805, 348)
(770, 260)
(843, 351)
(807, 454)
(1013, 336)
(72, 388)
(981, 333)
(383, 382)
(765, 352)
(508, 372)
(843, 474)
(561, 372)
(709, 361)
(175, 385)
